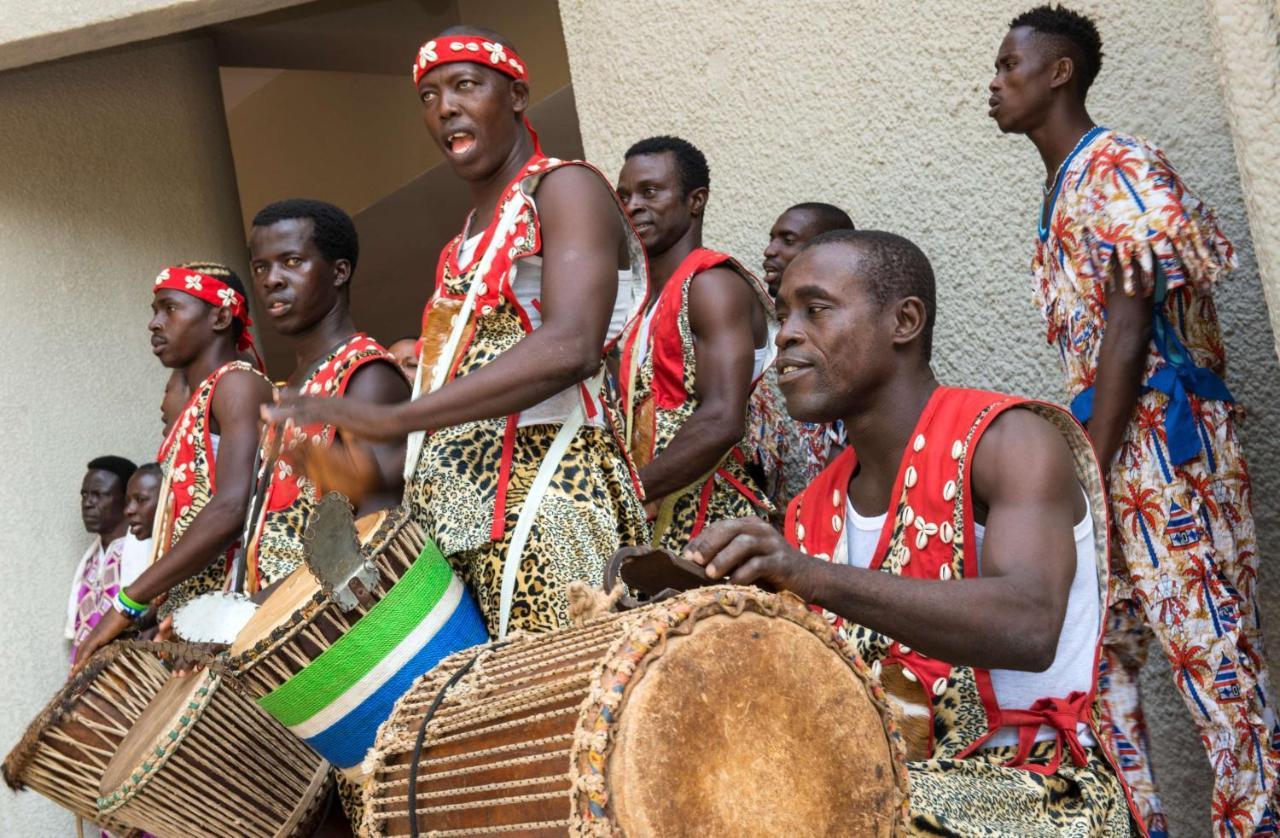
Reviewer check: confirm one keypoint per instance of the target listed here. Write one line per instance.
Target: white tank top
(527, 285)
(1073, 663)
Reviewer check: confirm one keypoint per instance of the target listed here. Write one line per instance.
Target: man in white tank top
(951, 544)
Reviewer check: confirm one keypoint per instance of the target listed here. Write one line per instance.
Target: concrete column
(1246, 34)
(112, 165)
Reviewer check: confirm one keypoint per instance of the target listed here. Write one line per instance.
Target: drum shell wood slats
(213, 764)
(68, 746)
(562, 732)
(318, 623)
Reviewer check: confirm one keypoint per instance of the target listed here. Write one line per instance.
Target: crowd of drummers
(590, 378)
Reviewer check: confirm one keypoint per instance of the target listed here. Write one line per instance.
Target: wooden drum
(203, 760)
(66, 749)
(721, 711)
(332, 677)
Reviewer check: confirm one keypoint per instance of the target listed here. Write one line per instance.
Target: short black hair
(690, 162)
(895, 269)
(829, 216)
(221, 272)
(1072, 30)
(152, 469)
(332, 229)
(119, 466)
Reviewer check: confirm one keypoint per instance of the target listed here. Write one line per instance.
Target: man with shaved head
(959, 543)
(1126, 261)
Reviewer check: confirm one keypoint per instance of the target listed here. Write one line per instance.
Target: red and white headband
(476, 50)
(213, 291)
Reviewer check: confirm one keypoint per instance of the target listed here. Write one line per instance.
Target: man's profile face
(101, 501)
(181, 326)
(650, 189)
(1020, 89)
(834, 339)
(790, 233)
(141, 498)
(296, 285)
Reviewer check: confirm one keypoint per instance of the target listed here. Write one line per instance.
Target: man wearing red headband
(698, 354)
(201, 319)
(302, 256)
(521, 481)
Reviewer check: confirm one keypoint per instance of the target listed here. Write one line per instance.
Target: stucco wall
(111, 166)
(881, 107)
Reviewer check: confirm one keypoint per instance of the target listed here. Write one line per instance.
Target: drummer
(200, 323)
(303, 256)
(547, 290)
(962, 536)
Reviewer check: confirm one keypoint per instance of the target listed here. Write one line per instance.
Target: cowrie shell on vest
(836, 523)
(908, 674)
(945, 572)
(940, 686)
(919, 443)
(800, 531)
(957, 448)
(835, 498)
(946, 532)
(908, 516)
(875, 670)
(909, 479)
(949, 491)
(904, 648)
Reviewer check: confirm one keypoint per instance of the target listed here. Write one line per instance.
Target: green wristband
(128, 602)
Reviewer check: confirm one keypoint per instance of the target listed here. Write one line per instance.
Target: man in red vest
(690, 365)
(958, 543)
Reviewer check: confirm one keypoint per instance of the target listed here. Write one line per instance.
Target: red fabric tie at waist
(1061, 714)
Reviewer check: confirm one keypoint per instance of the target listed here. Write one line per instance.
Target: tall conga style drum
(203, 760)
(332, 677)
(67, 747)
(721, 711)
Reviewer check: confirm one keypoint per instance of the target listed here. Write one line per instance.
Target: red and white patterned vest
(288, 489)
(190, 479)
(929, 534)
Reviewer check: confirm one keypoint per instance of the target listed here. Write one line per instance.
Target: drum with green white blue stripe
(333, 678)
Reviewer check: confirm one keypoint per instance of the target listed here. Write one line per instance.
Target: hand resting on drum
(1009, 617)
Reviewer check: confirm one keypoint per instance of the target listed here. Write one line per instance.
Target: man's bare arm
(720, 314)
(235, 407)
(1122, 360)
(379, 383)
(1007, 618)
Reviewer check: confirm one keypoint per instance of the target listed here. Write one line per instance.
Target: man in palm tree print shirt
(1125, 262)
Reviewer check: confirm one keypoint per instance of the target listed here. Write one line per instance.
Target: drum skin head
(160, 717)
(278, 609)
(697, 753)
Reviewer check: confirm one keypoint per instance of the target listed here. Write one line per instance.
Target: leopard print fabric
(979, 796)
(280, 550)
(590, 509)
(726, 499)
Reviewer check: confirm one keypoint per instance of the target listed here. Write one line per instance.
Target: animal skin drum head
(213, 618)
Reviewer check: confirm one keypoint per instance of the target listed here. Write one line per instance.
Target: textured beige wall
(43, 30)
(1247, 36)
(881, 107)
(111, 166)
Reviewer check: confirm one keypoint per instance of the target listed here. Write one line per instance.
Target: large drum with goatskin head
(721, 711)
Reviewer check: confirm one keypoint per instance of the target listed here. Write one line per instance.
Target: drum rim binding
(68, 696)
(396, 520)
(170, 741)
(645, 642)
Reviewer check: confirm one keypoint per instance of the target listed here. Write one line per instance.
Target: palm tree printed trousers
(1184, 571)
